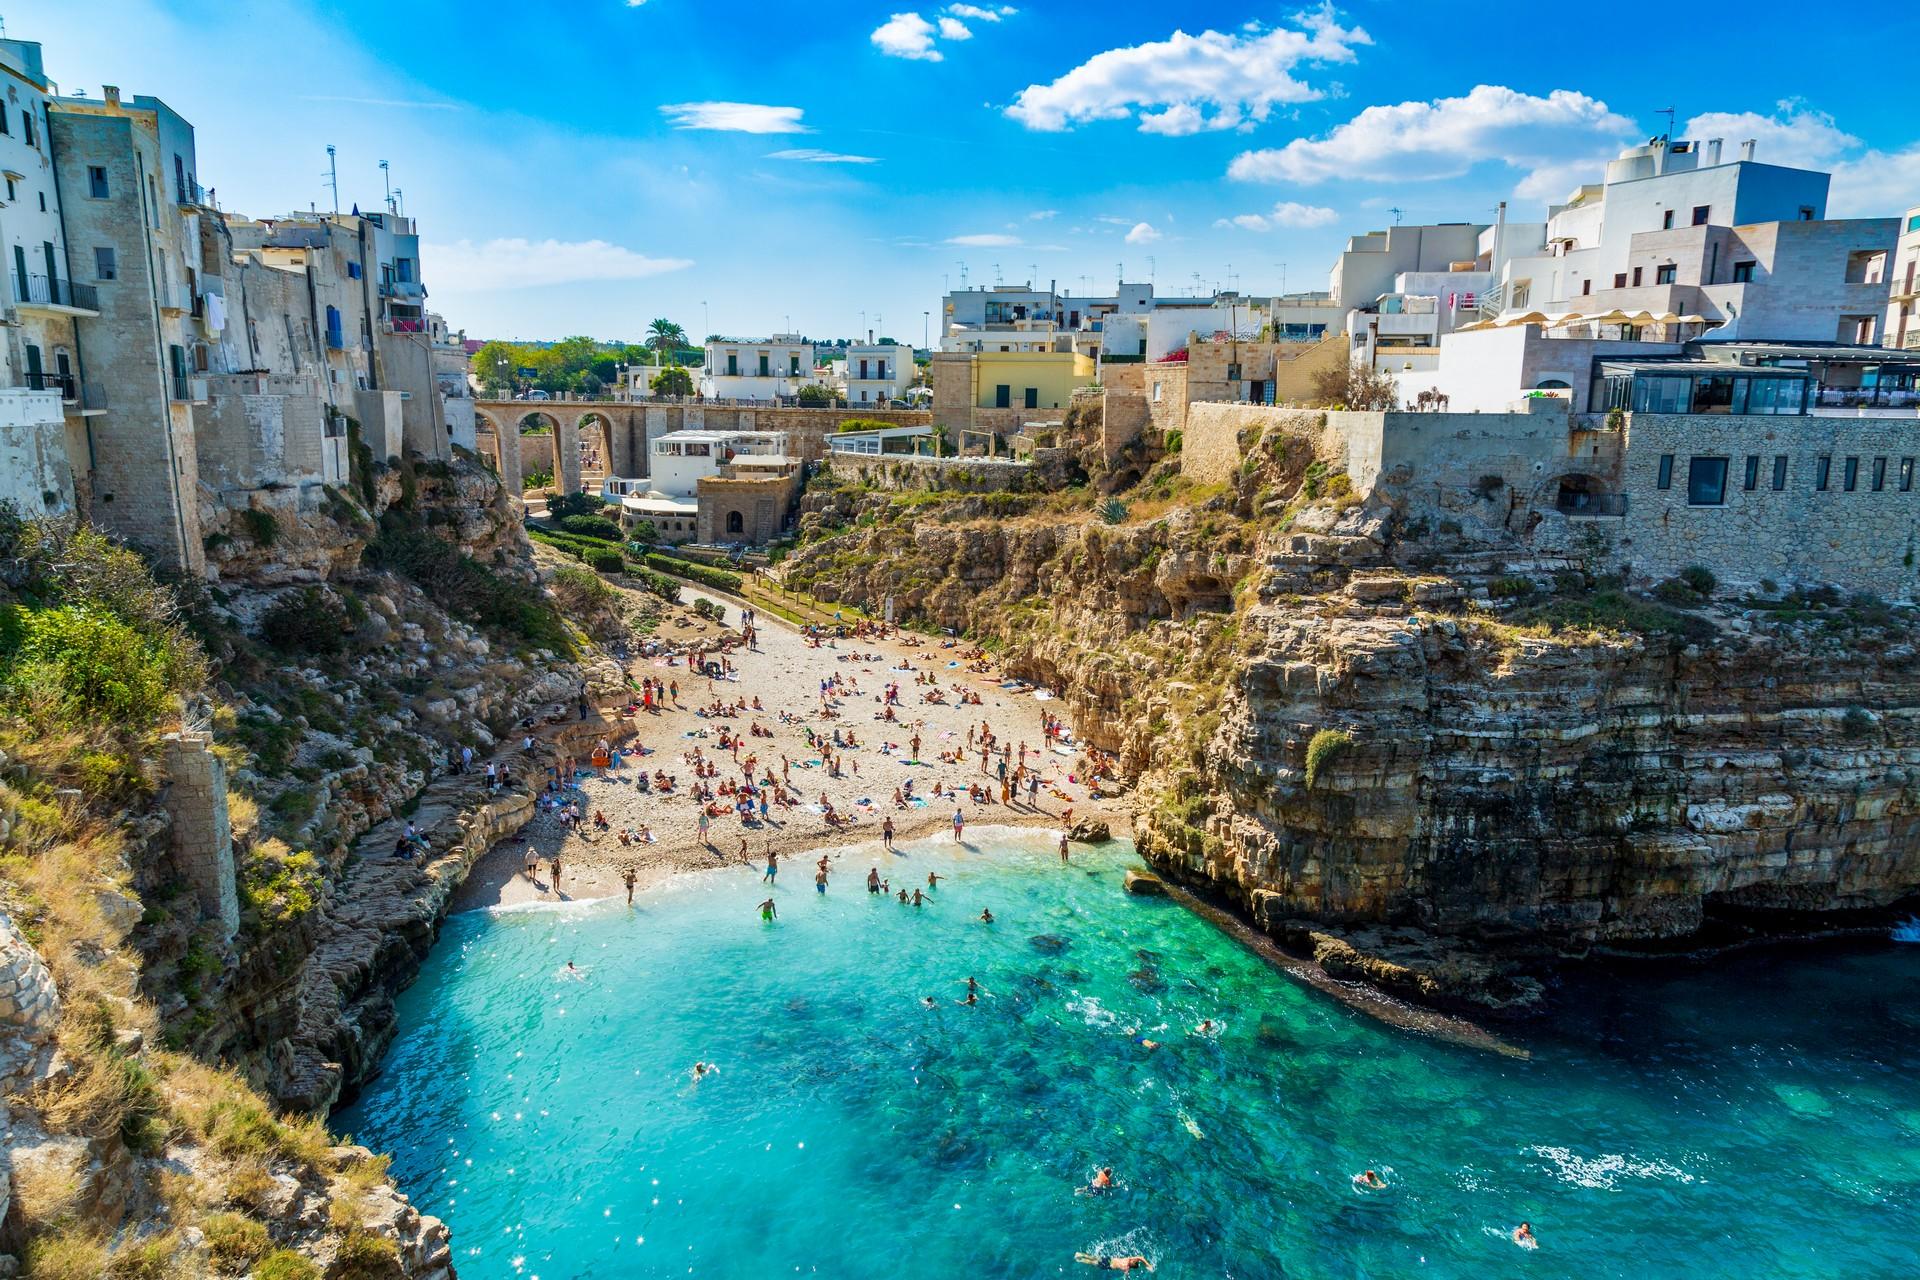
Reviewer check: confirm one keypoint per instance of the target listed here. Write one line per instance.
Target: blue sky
(585, 166)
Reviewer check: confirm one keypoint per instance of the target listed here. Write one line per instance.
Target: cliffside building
(1902, 328)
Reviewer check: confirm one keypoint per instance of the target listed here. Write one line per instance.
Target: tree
(815, 396)
(672, 382)
(663, 335)
(1355, 386)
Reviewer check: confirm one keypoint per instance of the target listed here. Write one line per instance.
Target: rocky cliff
(1429, 759)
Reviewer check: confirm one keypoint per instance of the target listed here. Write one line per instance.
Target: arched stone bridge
(624, 429)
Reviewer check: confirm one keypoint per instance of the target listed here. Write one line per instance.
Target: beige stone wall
(202, 838)
(1863, 540)
(968, 475)
(761, 504)
(1210, 445)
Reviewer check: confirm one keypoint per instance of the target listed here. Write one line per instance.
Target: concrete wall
(249, 439)
(457, 413)
(202, 836)
(966, 475)
(1861, 540)
(406, 365)
(34, 473)
(381, 427)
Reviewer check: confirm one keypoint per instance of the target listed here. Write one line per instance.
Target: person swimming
(701, 1070)
(1205, 1028)
(926, 1002)
(1113, 1262)
(1523, 1236)
(578, 975)
(1102, 1181)
(1368, 1181)
(986, 915)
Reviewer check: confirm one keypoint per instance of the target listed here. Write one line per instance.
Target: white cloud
(1041, 215)
(906, 35)
(734, 117)
(1873, 185)
(1287, 213)
(1142, 233)
(813, 155)
(954, 29)
(1795, 137)
(635, 4)
(978, 14)
(1444, 138)
(1185, 84)
(990, 241)
(521, 264)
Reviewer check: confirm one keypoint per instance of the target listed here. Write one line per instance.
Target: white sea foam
(572, 906)
(1604, 1172)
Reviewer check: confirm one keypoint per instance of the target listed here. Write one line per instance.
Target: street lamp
(506, 382)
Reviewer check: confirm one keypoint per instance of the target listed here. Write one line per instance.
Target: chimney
(1713, 151)
(1746, 149)
(111, 92)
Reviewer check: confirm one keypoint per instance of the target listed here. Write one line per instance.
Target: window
(1779, 472)
(1906, 475)
(1879, 474)
(1662, 395)
(1033, 398)
(1156, 393)
(1706, 482)
(1913, 223)
(1852, 473)
(1619, 279)
(1700, 214)
(97, 181)
(26, 127)
(353, 271)
(1586, 287)
(1666, 220)
(11, 194)
(6, 129)
(1003, 396)
(1666, 472)
(1636, 277)
(1663, 275)
(1743, 272)
(1806, 213)
(1753, 473)
(1822, 472)
(104, 267)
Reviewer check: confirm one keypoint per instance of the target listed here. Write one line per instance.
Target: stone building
(1902, 329)
(133, 208)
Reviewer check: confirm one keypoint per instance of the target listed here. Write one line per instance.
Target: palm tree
(664, 335)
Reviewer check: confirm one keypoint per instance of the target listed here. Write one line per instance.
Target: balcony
(64, 383)
(54, 296)
(189, 193)
(185, 390)
(176, 298)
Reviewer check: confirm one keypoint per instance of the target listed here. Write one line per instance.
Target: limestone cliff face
(1572, 790)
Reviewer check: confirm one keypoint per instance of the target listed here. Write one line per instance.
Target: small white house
(878, 372)
(757, 368)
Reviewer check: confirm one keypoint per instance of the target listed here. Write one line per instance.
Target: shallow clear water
(1762, 1118)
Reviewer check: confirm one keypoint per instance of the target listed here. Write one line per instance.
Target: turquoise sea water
(1758, 1119)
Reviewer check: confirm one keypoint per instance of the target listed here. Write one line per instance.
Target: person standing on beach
(820, 879)
(704, 820)
(886, 833)
(1063, 848)
(773, 865)
(631, 876)
(959, 825)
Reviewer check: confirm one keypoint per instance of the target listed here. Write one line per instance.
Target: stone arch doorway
(490, 441)
(736, 524)
(546, 445)
(597, 456)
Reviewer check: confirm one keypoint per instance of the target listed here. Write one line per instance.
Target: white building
(1404, 288)
(757, 368)
(877, 372)
(679, 460)
(42, 411)
(1133, 323)
(1902, 328)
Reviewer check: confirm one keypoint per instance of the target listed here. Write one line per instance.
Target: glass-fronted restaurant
(1698, 387)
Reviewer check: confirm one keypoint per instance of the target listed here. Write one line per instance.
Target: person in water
(768, 911)
(1102, 1179)
(1369, 1181)
(1523, 1236)
(631, 876)
(701, 1070)
(873, 880)
(986, 915)
(1206, 1028)
(933, 880)
(926, 1002)
(1112, 1262)
(973, 991)
(773, 866)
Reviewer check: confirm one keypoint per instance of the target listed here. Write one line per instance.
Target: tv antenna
(1668, 113)
(386, 176)
(1397, 213)
(963, 276)
(1152, 268)
(333, 178)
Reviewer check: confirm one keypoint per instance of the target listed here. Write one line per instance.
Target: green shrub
(462, 585)
(235, 1241)
(704, 575)
(1173, 441)
(285, 1264)
(644, 533)
(1676, 591)
(279, 888)
(607, 561)
(575, 504)
(65, 1255)
(1323, 749)
(864, 424)
(591, 527)
(536, 480)
(366, 1256)
(658, 584)
(710, 609)
(309, 620)
(260, 526)
(1511, 587)
(87, 662)
(1113, 511)
(1700, 578)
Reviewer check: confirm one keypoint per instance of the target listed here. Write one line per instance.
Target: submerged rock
(1144, 883)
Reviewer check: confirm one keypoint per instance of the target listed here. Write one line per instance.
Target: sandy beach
(784, 672)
